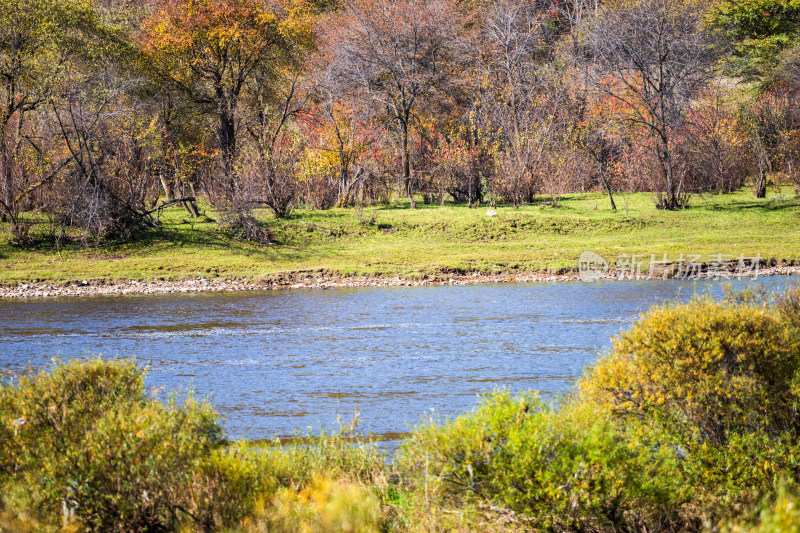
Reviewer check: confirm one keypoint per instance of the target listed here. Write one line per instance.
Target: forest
(112, 111)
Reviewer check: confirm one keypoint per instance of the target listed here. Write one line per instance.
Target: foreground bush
(570, 469)
(84, 446)
(85, 442)
(704, 371)
(716, 381)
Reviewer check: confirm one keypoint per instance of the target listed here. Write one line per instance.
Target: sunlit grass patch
(428, 241)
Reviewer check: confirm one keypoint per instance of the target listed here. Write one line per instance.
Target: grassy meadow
(431, 240)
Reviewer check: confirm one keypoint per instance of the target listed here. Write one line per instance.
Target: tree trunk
(165, 185)
(603, 158)
(191, 207)
(406, 165)
(344, 172)
(760, 188)
(227, 145)
(670, 201)
(611, 199)
(607, 186)
(344, 186)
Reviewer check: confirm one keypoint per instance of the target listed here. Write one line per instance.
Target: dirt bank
(322, 280)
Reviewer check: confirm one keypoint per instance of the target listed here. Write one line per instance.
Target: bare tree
(714, 145)
(398, 57)
(269, 160)
(521, 97)
(600, 144)
(102, 190)
(518, 39)
(652, 56)
(770, 121)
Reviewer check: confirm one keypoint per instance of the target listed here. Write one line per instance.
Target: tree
(714, 145)
(772, 123)
(215, 51)
(398, 57)
(37, 40)
(273, 153)
(757, 32)
(653, 56)
(518, 40)
(597, 132)
(521, 94)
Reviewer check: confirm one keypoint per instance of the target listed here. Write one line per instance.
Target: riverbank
(315, 280)
(395, 245)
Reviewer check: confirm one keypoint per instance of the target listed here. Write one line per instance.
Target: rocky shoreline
(321, 280)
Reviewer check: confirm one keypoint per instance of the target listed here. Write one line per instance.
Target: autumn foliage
(111, 112)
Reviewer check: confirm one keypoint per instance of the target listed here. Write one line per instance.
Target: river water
(281, 363)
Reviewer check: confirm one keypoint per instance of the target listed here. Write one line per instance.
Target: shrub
(324, 505)
(83, 444)
(134, 467)
(719, 383)
(703, 371)
(328, 484)
(244, 226)
(267, 175)
(692, 417)
(713, 147)
(44, 413)
(85, 441)
(570, 469)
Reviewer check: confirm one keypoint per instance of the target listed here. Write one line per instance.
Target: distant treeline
(111, 110)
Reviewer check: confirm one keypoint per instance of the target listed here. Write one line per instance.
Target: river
(281, 363)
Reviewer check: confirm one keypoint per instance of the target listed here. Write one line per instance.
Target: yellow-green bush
(322, 506)
(85, 441)
(42, 413)
(137, 466)
(84, 445)
(704, 370)
(720, 383)
(569, 469)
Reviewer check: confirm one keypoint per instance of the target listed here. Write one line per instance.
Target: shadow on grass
(763, 204)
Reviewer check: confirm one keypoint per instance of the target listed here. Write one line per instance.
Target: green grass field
(398, 241)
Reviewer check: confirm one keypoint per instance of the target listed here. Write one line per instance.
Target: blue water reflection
(275, 363)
